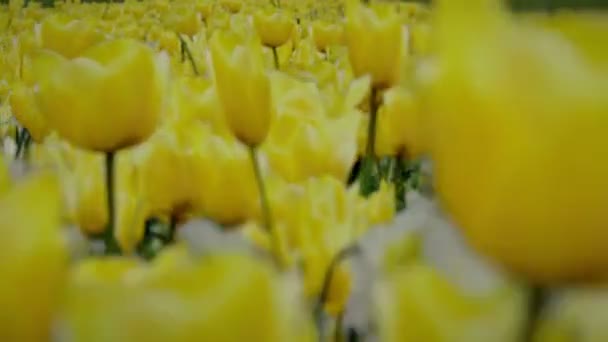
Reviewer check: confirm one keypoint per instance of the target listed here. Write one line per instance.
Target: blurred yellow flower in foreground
(518, 142)
(103, 114)
(218, 298)
(416, 303)
(242, 85)
(33, 258)
(373, 36)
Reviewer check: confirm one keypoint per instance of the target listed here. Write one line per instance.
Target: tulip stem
(536, 303)
(112, 247)
(342, 255)
(265, 205)
(371, 128)
(187, 53)
(275, 54)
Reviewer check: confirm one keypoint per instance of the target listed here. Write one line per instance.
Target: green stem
(536, 303)
(172, 228)
(327, 282)
(265, 205)
(276, 58)
(371, 127)
(110, 241)
(187, 53)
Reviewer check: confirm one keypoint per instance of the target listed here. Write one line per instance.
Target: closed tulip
(243, 86)
(275, 28)
(327, 34)
(373, 35)
(115, 92)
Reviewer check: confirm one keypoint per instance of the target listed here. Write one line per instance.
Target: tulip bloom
(243, 86)
(373, 36)
(115, 94)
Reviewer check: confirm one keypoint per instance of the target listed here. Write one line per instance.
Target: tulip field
(303, 170)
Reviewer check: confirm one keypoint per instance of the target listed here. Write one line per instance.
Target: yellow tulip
(243, 86)
(315, 221)
(399, 124)
(327, 34)
(197, 100)
(374, 36)
(91, 209)
(26, 111)
(226, 190)
(132, 204)
(503, 120)
(34, 259)
(68, 37)
(165, 173)
(104, 112)
(219, 298)
(416, 303)
(184, 20)
(274, 28)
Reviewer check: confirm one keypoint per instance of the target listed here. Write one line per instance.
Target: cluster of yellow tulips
(133, 131)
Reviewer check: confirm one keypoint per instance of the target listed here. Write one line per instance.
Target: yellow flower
(273, 28)
(380, 206)
(417, 304)
(327, 34)
(91, 211)
(225, 189)
(505, 124)
(373, 36)
(197, 99)
(165, 173)
(33, 258)
(399, 124)
(243, 86)
(132, 204)
(115, 94)
(219, 298)
(68, 37)
(314, 222)
(184, 20)
(26, 111)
